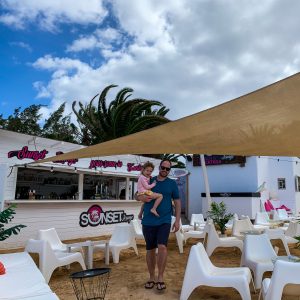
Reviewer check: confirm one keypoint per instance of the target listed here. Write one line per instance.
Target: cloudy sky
(188, 54)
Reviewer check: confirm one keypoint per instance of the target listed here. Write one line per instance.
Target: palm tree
(173, 158)
(122, 117)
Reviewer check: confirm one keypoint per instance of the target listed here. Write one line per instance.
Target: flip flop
(149, 285)
(160, 285)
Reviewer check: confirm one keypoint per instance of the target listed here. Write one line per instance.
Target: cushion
(283, 207)
(267, 206)
(2, 269)
(270, 204)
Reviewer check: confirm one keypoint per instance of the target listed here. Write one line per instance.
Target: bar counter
(66, 201)
(72, 219)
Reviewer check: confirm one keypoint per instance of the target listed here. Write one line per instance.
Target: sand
(128, 277)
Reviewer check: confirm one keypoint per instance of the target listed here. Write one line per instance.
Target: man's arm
(176, 224)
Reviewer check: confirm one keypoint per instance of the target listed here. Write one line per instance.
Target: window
(45, 184)
(281, 183)
(297, 183)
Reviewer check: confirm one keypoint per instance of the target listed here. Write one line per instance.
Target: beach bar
(75, 196)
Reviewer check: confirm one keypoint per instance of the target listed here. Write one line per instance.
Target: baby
(144, 188)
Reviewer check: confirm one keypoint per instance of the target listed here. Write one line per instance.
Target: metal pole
(206, 183)
(127, 188)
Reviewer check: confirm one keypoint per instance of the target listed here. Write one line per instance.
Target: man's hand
(175, 226)
(142, 198)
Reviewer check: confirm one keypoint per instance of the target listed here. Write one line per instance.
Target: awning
(264, 122)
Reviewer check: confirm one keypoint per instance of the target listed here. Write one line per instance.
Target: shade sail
(264, 122)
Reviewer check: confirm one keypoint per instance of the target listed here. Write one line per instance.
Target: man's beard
(163, 174)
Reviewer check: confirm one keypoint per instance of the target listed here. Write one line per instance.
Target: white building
(57, 194)
(280, 175)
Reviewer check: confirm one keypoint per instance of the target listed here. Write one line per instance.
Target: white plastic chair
(195, 218)
(50, 235)
(49, 259)
(262, 218)
(229, 224)
(195, 234)
(137, 229)
(275, 215)
(173, 219)
(285, 273)
(292, 231)
(257, 255)
(278, 234)
(122, 238)
(244, 217)
(214, 241)
(283, 215)
(200, 271)
(179, 234)
(182, 237)
(262, 206)
(255, 226)
(239, 226)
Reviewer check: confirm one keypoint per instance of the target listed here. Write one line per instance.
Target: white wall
(10, 185)
(296, 168)
(222, 178)
(263, 176)
(297, 204)
(232, 178)
(247, 206)
(282, 169)
(64, 217)
(3, 174)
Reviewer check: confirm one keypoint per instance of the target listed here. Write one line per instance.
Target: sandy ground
(128, 277)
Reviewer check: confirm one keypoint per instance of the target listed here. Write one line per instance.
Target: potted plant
(219, 216)
(6, 216)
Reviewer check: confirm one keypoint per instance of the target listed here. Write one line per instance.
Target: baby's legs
(158, 198)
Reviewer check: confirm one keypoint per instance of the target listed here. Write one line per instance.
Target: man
(156, 230)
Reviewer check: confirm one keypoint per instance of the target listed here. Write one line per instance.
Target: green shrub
(5, 217)
(219, 216)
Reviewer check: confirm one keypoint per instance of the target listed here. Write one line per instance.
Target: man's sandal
(149, 285)
(160, 285)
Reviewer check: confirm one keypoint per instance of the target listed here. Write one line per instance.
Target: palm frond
(5, 234)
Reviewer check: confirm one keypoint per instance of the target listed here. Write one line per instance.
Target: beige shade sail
(264, 122)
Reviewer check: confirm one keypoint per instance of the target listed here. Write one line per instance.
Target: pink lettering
(132, 167)
(105, 164)
(68, 161)
(25, 153)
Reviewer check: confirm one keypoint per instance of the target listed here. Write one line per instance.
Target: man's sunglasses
(165, 168)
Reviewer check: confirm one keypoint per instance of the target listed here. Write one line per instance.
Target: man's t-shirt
(168, 188)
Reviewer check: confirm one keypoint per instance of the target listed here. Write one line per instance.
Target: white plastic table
(289, 258)
(252, 232)
(88, 249)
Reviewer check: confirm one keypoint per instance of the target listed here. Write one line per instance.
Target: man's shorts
(156, 235)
